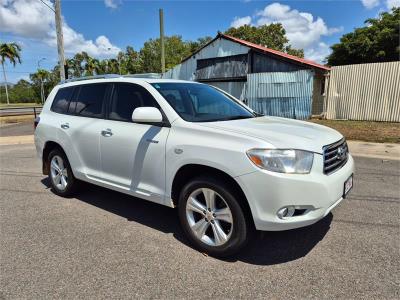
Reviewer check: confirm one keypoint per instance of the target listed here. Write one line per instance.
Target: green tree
(200, 42)
(11, 52)
(133, 62)
(175, 50)
(22, 92)
(272, 36)
(377, 41)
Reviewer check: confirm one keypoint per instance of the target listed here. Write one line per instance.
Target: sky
(104, 27)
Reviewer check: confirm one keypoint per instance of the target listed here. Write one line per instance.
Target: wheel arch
(190, 171)
(48, 147)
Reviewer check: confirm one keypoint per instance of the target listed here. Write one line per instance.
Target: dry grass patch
(377, 132)
(16, 119)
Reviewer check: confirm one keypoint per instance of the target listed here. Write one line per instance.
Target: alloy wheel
(59, 172)
(209, 217)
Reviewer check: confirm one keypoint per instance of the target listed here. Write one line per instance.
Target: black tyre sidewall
(71, 181)
(241, 227)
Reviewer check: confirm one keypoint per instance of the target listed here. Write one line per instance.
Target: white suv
(188, 145)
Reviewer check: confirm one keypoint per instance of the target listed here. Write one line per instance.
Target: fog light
(285, 212)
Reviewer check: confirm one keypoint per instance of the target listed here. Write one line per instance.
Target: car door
(132, 154)
(86, 117)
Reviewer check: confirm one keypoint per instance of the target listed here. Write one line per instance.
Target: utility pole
(162, 41)
(60, 39)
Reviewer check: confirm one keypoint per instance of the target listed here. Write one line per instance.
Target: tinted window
(61, 100)
(126, 98)
(89, 100)
(201, 103)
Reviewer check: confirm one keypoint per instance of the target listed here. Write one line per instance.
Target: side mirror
(147, 115)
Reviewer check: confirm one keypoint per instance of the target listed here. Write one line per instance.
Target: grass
(377, 132)
(3, 105)
(16, 119)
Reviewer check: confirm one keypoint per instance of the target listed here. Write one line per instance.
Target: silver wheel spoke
(219, 234)
(54, 165)
(209, 196)
(200, 228)
(223, 214)
(63, 181)
(196, 206)
(60, 163)
(57, 179)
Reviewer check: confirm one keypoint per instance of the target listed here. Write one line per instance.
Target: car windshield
(196, 102)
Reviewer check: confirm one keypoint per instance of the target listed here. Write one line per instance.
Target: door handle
(65, 126)
(106, 132)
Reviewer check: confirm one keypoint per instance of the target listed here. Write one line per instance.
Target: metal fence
(369, 92)
(20, 111)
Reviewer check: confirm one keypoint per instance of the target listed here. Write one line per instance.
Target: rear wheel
(61, 177)
(212, 218)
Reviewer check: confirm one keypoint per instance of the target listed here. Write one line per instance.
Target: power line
(48, 5)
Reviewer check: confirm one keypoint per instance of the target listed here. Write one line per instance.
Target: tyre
(62, 179)
(212, 217)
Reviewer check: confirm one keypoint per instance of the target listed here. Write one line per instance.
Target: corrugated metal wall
(222, 67)
(364, 92)
(219, 48)
(284, 94)
(264, 63)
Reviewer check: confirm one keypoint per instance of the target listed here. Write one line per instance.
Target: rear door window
(61, 100)
(126, 98)
(88, 101)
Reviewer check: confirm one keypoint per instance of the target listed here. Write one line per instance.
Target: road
(103, 244)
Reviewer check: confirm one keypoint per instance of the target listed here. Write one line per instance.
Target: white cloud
(369, 4)
(392, 3)
(318, 52)
(302, 29)
(113, 4)
(32, 19)
(237, 22)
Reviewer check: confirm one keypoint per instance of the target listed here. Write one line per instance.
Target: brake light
(36, 122)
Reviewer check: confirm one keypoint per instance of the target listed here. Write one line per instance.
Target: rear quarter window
(61, 100)
(88, 101)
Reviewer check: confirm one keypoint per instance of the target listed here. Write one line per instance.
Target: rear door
(132, 154)
(59, 120)
(86, 117)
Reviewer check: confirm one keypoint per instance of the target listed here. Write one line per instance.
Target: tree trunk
(5, 84)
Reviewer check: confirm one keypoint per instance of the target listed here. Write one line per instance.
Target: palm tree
(40, 78)
(91, 66)
(11, 52)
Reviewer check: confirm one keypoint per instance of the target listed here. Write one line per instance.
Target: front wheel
(212, 217)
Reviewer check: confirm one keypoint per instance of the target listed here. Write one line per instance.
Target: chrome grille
(335, 156)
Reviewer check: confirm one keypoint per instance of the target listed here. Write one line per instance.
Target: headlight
(282, 160)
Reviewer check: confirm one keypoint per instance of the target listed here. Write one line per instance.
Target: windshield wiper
(236, 118)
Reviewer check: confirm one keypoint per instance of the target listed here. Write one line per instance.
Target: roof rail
(105, 76)
(90, 77)
(144, 75)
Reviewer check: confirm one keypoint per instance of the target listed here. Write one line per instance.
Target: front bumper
(267, 192)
